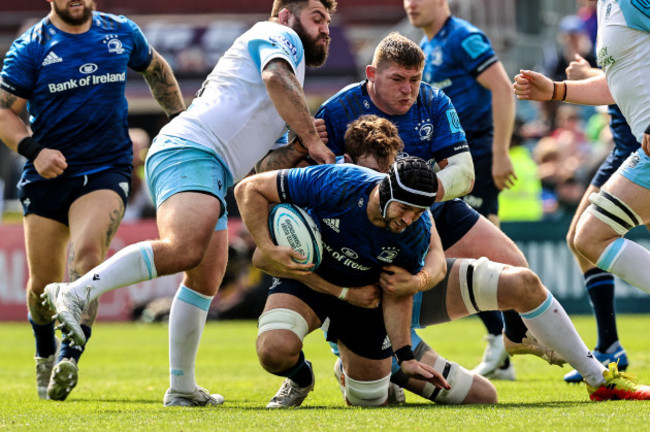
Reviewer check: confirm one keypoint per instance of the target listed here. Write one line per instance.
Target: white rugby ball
(292, 226)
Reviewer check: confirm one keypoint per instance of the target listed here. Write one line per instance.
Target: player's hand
(50, 163)
(279, 261)
(424, 372)
(578, 68)
(645, 145)
(319, 152)
(503, 172)
(396, 281)
(319, 124)
(368, 296)
(530, 85)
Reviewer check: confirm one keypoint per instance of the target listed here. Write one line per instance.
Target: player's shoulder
(431, 96)
(347, 93)
(110, 22)
(279, 35)
(38, 34)
(461, 28)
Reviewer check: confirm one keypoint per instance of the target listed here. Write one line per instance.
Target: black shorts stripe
(622, 206)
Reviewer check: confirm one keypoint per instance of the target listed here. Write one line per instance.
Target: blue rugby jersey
(430, 129)
(74, 84)
(354, 250)
(455, 57)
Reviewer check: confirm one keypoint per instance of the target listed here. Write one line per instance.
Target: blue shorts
(484, 198)
(453, 219)
(361, 330)
(609, 166)
(52, 198)
(184, 166)
(636, 169)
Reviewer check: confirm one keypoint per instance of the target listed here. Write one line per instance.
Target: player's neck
(436, 25)
(69, 28)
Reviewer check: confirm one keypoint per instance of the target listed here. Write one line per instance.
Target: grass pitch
(124, 374)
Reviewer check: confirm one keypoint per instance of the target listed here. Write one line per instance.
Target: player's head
(395, 74)
(310, 19)
(372, 142)
(73, 13)
(426, 13)
(407, 191)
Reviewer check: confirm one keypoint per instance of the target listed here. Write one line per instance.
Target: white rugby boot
(44, 366)
(64, 378)
(200, 397)
(494, 356)
(290, 394)
(67, 307)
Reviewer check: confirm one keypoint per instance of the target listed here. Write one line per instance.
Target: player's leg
(188, 186)
(466, 387)
(291, 312)
(621, 204)
(482, 285)
(187, 318)
(600, 289)
(485, 239)
(364, 381)
(46, 242)
(93, 218)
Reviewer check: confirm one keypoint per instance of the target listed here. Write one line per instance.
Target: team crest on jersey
(388, 254)
(114, 44)
(425, 129)
(51, 58)
(286, 45)
(436, 56)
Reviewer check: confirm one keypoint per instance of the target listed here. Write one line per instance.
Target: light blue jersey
(455, 57)
(354, 249)
(74, 84)
(636, 13)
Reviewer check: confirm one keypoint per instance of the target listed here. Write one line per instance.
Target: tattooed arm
(288, 98)
(289, 156)
(163, 85)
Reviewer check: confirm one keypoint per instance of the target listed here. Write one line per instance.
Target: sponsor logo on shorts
(473, 201)
(633, 160)
(125, 188)
(386, 344)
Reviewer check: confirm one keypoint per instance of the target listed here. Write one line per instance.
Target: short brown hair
(296, 5)
(370, 134)
(399, 50)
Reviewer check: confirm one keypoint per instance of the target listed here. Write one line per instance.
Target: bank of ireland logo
(349, 253)
(88, 68)
(114, 44)
(425, 129)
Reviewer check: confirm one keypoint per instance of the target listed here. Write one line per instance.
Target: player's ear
(370, 72)
(283, 16)
(347, 158)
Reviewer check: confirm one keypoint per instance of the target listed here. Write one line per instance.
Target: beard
(315, 55)
(67, 18)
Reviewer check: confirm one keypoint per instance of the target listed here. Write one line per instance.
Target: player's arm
(287, 96)
(164, 87)
(579, 69)
(397, 281)
(495, 79)
(49, 163)
(291, 155)
(455, 176)
(530, 85)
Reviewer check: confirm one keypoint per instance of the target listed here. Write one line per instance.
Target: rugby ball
(292, 226)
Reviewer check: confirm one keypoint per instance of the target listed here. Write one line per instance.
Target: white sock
(551, 325)
(186, 321)
(130, 265)
(629, 261)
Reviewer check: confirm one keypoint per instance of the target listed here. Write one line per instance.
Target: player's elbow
(457, 178)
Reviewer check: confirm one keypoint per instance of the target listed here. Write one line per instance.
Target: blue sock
(493, 321)
(73, 352)
(600, 288)
(44, 335)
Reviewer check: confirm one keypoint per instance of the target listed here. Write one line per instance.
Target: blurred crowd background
(556, 147)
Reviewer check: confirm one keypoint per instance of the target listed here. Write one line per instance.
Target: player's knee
(367, 393)
(521, 289)
(481, 392)
(280, 336)
(479, 283)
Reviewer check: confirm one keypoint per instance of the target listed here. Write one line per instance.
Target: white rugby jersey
(232, 112)
(623, 49)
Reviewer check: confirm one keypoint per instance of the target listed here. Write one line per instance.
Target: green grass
(124, 375)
